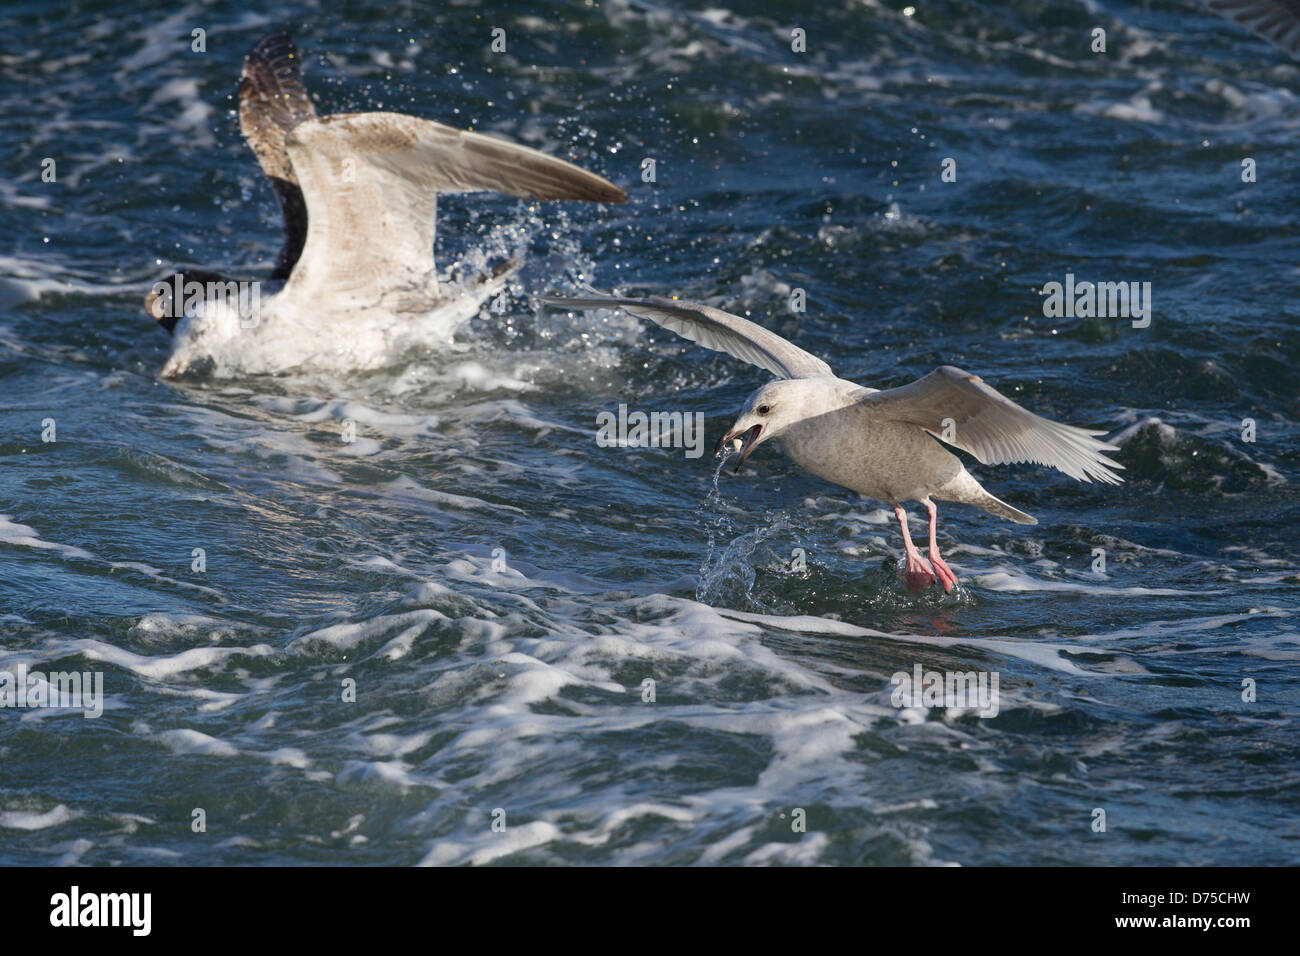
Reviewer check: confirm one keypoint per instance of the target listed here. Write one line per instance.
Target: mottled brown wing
(272, 101)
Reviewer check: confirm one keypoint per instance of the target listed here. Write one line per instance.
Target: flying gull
(358, 193)
(880, 444)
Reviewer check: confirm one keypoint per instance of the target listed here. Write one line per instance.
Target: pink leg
(946, 577)
(919, 574)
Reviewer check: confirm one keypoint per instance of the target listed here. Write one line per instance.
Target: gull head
(205, 315)
(196, 337)
(767, 413)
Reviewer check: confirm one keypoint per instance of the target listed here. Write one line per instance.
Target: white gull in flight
(358, 192)
(880, 444)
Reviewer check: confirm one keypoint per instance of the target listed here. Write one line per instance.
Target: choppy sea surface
(431, 644)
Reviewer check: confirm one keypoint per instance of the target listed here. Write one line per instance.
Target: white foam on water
(27, 820)
(162, 667)
(28, 280)
(73, 851)
(1136, 109)
(349, 635)
(185, 742)
(162, 626)
(1015, 580)
(405, 488)
(1217, 634)
(809, 724)
(492, 846)
(313, 410)
(22, 536)
(1043, 653)
(157, 575)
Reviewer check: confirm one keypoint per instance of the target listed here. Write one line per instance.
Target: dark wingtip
(272, 46)
(272, 101)
(1277, 21)
(273, 71)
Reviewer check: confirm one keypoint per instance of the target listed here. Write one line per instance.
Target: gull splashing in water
(355, 280)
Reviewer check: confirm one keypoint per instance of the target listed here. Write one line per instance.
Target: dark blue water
(498, 587)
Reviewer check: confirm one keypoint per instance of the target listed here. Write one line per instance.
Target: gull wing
(371, 182)
(711, 328)
(992, 427)
(272, 101)
(1277, 21)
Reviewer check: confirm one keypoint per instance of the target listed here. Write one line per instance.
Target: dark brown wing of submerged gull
(272, 101)
(1277, 21)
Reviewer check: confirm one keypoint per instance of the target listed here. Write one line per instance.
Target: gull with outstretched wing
(881, 444)
(358, 193)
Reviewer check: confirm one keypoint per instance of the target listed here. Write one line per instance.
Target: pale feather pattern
(993, 428)
(711, 328)
(371, 182)
(1277, 21)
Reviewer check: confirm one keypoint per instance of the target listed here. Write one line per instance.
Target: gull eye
(764, 409)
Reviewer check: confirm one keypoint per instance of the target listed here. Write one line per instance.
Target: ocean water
(431, 644)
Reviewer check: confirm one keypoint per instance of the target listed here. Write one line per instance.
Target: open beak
(746, 445)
